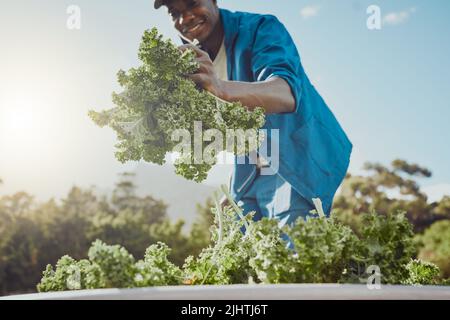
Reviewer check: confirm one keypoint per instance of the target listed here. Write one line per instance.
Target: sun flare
(20, 119)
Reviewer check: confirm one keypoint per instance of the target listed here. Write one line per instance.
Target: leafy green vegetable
(435, 246)
(158, 99)
(422, 273)
(325, 251)
(115, 262)
(271, 259)
(226, 260)
(156, 269)
(388, 243)
(71, 275)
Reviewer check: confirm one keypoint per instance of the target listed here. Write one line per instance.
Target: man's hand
(206, 76)
(274, 94)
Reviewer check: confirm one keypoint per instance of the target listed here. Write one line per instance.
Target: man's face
(195, 19)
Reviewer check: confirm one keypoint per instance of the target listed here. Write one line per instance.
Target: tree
(435, 246)
(33, 234)
(124, 196)
(386, 190)
(200, 235)
(127, 218)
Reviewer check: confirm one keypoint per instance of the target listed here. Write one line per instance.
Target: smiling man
(251, 58)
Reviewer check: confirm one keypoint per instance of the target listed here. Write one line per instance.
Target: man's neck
(213, 43)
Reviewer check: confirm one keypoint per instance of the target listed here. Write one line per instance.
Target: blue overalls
(314, 151)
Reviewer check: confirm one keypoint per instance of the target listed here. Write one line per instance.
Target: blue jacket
(314, 151)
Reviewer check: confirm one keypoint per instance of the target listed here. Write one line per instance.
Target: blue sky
(389, 88)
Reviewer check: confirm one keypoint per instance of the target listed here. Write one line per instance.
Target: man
(251, 58)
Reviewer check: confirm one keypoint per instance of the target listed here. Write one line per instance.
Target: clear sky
(389, 88)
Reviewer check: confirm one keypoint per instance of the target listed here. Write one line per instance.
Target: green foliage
(116, 263)
(325, 248)
(158, 99)
(71, 275)
(385, 190)
(226, 260)
(156, 269)
(199, 236)
(422, 273)
(435, 246)
(112, 267)
(374, 192)
(338, 249)
(33, 235)
(270, 258)
(388, 242)
(325, 251)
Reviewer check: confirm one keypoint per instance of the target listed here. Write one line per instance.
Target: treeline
(34, 234)
(387, 189)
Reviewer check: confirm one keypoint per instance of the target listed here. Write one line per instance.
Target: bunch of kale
(325, 251)
(158, 100)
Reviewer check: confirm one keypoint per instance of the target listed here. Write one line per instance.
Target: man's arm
(273, 94)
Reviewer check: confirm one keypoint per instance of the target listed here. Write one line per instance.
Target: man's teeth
(194, 27)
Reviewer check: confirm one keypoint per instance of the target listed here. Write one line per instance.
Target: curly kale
(388, 243)
(116, 263)
(226, 261)
(325, 249)
(71, 275)
(158, 99)
(271, 259)
(156, 269)
(247, 251)
(422, 273)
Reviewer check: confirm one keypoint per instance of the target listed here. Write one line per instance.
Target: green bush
(325, 250)
(33, 235)
(435, 246)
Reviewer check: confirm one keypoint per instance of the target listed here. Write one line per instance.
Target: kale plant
(226, 261)
(270, 258)
(156, 269)
(71, 275)
(388, 243)
(247, 251)
(116, 263)
(325, 249)
(422, 273)
(158, 99)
